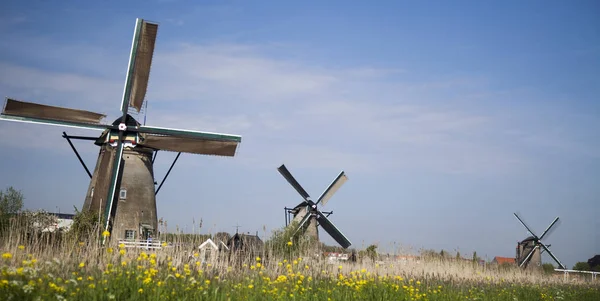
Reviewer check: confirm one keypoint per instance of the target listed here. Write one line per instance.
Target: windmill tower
(122, 188)
(307, 213)
(529, 250)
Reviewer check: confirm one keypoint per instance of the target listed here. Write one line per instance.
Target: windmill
(308, 215)
(122, 184)
(529, 250)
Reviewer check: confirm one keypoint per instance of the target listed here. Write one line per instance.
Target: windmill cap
(129, 121)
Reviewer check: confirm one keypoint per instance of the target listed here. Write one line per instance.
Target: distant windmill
(122, 185)
(529, 250)
(308, 215)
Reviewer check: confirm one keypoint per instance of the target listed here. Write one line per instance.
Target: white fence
(143, 244)
(566, 273)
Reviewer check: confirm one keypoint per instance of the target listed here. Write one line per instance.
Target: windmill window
(129, 234)
(92, 193)
(123, 194)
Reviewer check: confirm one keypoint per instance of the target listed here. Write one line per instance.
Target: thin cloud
(356, 117)
(9, 21)
(58, 88)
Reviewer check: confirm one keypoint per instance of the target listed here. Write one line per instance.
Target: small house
(245, 244)
(208, 251)
(502, 260)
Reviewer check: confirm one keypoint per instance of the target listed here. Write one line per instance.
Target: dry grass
(68, 258)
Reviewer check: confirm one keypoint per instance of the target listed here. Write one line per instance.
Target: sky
(447, 117)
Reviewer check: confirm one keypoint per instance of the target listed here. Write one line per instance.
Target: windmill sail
(288, 176)
(333, 187)
(140, 60)
(553, 257)
(17, 110)
(190, 145)
(187, 141)
(143, 61)
(335, 233)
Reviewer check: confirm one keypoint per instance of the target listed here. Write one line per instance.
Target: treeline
(35, 226)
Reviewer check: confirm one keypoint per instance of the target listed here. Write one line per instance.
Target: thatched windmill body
(122, 187)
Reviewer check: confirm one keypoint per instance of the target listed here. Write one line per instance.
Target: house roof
(224, 245)
(244, 241)
(210, 243)
(501, 260)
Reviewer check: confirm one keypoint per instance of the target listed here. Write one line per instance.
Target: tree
(457, 255)
(581, 266)
(594, 263)
(86, 224)
(372, 252)
(221, 236)
(283, 243)
(11, 203)
(548, 268)
(429, 253)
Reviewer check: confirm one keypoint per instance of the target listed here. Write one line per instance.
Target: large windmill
(122, 185)
(530, 249)
(308, 215)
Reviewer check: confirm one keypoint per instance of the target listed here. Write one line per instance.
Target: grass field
(81, 271)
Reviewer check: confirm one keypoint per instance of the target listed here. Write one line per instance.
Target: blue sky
(446, 117)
